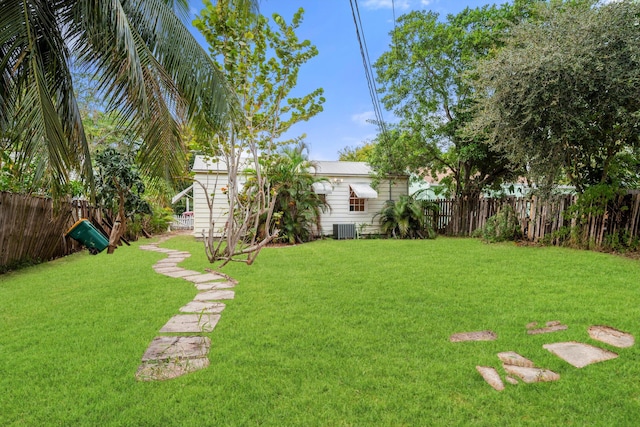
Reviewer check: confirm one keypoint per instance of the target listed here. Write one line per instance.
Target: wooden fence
(546, 219)
(31, 229)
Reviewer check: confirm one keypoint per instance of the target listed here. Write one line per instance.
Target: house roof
(212, 164)
(325, 168)
(322, 168)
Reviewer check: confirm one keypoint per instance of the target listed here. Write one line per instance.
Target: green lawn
(332, 333)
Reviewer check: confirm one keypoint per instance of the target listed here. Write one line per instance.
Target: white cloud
(362, 118)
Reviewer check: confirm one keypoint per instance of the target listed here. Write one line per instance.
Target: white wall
(339, 202)
(214, 183)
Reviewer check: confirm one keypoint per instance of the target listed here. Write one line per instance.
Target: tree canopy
(423, 79)
(563, 95)
(261, 59)
(149, 67)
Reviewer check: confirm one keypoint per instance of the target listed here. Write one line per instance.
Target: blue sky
(338, 67)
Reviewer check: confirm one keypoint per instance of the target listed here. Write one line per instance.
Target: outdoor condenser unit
(344, 231)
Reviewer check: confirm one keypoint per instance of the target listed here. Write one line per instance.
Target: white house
(352, 199)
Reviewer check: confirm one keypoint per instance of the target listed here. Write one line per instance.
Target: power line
(368, 71)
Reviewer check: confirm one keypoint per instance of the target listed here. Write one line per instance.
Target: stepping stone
(201, 278)
(511, 380)
(611, 336)
(531, 375)
(214, 295)
(163, 250)
(203, 307)
(473, 336)
(175, 258)
(514, 359)
(181, 273)
(167, 269)
(165, 263)
(214, 285)
(491, 376)
(579, 354)
(548, 329)
(165, 370)
(191, 323)
(165, 348)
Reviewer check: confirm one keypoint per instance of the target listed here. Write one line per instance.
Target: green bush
(408, 218)
(502, 227)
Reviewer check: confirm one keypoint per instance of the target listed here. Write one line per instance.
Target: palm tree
(148, 65)
(407, 218)
(298, 206)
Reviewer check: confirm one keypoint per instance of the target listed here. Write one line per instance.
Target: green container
(84, 232)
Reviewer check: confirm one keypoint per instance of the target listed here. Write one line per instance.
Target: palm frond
(37, 105)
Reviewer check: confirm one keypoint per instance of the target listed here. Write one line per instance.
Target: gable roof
(211, 164)
(322, 168)
(325, 168)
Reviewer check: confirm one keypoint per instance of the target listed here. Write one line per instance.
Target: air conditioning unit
(344, 231)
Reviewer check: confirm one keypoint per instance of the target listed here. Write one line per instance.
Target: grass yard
(332, 333)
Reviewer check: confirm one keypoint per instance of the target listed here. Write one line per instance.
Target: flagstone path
(575, 353)
(172, 356)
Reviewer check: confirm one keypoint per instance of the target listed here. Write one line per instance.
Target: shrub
(502, 227)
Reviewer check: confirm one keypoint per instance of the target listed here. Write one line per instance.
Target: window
(356, 204)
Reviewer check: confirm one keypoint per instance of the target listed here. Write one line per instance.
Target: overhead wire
(368, 70)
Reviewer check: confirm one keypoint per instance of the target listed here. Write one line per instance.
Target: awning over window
(322, 187)
(364, 191)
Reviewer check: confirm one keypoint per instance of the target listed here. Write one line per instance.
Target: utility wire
(368, 71)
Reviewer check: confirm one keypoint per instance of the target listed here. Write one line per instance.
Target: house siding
(213, 183)
(338, 200)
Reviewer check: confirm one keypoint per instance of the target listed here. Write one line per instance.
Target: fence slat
(540, 219)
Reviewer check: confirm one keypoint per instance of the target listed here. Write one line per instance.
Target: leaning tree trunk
(118, 227)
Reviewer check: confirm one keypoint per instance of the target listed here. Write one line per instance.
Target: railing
(182, 222)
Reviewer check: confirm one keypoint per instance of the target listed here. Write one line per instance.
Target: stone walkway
(575, 353)
(172, 356)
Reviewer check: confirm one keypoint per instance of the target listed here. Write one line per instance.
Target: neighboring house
(430, 188)
(348, 192)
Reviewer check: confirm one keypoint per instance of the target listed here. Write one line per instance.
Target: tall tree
(261, 60)
(423, 79)
(148, 64)
(360, 153)
(563, 95)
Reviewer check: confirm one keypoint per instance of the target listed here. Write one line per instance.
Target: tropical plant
(407, 218)
(298, 206)
(149, 67)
